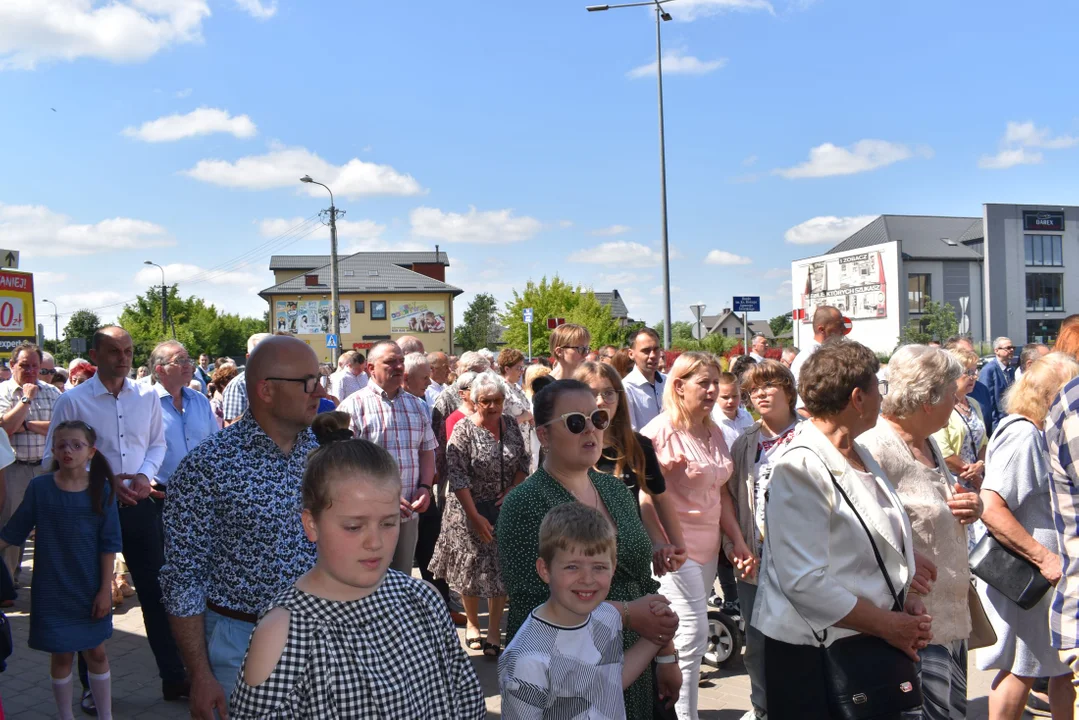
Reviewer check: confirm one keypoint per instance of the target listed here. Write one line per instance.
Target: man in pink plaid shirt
(384, 413)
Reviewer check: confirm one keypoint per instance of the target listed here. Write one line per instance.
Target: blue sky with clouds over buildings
(520, 137)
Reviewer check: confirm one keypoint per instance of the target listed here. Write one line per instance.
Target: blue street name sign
(527, 314)
(747, 303)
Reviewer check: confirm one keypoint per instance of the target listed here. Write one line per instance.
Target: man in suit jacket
(997, 375)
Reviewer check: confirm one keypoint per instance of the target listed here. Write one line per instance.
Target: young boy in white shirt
(728, 413)
(568, 656)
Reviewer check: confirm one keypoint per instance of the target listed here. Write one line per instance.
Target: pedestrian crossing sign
(331, 342)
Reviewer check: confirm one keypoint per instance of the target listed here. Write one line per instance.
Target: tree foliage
(82, 324)
(781, 325)
(938, 322)
(552, 299)
(480, 326)
(200, 327)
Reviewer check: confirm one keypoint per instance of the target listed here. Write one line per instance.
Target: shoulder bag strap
(501, 455)
(970, 432)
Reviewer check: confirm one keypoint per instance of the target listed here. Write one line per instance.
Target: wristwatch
(25, 400)
(667, 659)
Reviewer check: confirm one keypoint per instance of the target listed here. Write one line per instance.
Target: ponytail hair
(101, 475)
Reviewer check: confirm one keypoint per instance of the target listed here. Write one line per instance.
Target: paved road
(27, 693)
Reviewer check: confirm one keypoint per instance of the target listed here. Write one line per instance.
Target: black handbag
(489, 509)
(1008, 572)
(866, 677)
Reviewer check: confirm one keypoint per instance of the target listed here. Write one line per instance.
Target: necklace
(592, 485)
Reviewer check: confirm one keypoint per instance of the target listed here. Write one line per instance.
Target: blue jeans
(226, 645)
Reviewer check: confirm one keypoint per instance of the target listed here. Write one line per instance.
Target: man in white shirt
(130, 434)
(418, 378)
(349, 377)
(440, 375)
(827, 322)
(644, 384)
(760, 346)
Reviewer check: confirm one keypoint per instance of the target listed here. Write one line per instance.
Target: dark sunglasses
(46, 371)
(576, 422)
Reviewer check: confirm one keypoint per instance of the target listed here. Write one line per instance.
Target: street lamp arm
(651, 3)
(307, 179)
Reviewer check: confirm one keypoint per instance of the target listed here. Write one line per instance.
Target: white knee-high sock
(61, 690)
(101, 687)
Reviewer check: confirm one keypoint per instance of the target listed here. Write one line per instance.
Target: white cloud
(565, 223)
(1010, 158)
(616, 279)
(37, 231)
(476, 226)
(677, 63)
(690, 10)
(619, 252)
(657, 291)
(777, 273)
(1021, 145)
(181, 94)
(827, 160)
(826, 229)
(257, 10)
(283, 167)
(749, 161)
(181, 273)
(722, 257)
(204, 121)
(346, 229)
(47, 276)
(93, 299)
(36, 31)
(611, 231)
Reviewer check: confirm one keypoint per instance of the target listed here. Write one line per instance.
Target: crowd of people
(271, 517)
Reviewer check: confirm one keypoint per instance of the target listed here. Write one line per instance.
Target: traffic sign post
(332, 342)
(527, 317)
(746, 304)
(9, 259)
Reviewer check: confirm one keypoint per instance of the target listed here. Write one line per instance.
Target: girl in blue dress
(78, 536)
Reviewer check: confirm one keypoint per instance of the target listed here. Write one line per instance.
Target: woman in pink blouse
(696, 465)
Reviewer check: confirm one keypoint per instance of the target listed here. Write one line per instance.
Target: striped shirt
(399, 424)
(29, 446)
(549, 671)
(1062, 436)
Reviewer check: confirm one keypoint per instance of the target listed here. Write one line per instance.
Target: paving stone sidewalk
(27, 692)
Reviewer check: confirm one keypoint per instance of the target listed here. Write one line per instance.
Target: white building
(1003, 273)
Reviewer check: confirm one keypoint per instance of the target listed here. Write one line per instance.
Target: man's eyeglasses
(1006, 347)
(576, 422)
(883, 385)
(46, 371)
(184, 362)
(309, 383)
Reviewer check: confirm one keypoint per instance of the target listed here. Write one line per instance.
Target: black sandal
(475, 643)
(87, 704)
(491, 650)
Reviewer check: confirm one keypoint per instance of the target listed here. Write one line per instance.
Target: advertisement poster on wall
(854, 284)
(309, 317)
(17, 324)
(418, 316)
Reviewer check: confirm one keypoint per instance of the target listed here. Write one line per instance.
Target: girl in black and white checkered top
(352, 638)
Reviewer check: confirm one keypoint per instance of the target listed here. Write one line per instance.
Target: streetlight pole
(164, 297)
(335, 293)
(661, 17)
(55, 318)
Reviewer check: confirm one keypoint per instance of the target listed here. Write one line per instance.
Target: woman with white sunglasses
(570, 429)
(696, 464)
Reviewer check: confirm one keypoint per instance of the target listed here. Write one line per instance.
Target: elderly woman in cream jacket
(819, 574)
(919, 401)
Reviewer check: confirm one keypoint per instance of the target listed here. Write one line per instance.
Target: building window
(378, 309)
(724, 332)
(1045, 292)
(309, 280)
(359, 307)
(738, 330)
(1043, 250)
(917, 292)
(1043, 331)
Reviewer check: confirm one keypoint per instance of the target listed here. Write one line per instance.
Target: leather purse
(982, 632)
(1008, 572)
(866, 677)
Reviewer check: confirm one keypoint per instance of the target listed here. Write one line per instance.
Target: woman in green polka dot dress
(564, 413)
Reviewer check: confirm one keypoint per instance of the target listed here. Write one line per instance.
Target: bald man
(410, 344)
(130, 434)
(440, 375)
(233, 536)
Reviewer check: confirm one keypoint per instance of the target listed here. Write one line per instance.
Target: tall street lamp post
(164, 295)
(661, 17)
(335, 295)
(55, 318)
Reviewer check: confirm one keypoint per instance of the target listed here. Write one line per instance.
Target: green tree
(781, 325)
(937, 322)
(552, 299)
(82, 324)
(681, 332)
(480, 326)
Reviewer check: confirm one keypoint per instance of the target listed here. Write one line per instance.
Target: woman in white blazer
(819, 574)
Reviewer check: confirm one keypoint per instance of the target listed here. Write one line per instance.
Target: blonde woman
(696, 465)
(569, 346)
(1019, 514)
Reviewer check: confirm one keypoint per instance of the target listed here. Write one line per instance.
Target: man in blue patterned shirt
(1062, 436)
(233, 536)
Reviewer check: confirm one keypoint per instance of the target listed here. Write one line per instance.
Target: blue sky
(519, 136)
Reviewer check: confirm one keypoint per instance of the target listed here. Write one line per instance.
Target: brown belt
(233, 614)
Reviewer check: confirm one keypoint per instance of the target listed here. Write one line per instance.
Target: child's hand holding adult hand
(102, 603)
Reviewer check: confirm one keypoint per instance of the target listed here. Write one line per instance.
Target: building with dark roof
(614, 301)
(1003, 274)
(384, 295)
(729, 324)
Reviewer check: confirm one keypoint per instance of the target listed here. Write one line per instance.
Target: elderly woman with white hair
(919, 400)
(449, 400)
(485, 458)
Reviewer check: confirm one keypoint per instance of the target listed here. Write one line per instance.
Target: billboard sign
(1034, 220)
(418, 316)
(855, 284)
(17, 324)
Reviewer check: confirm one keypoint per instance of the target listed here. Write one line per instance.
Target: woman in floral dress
(485, 457)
